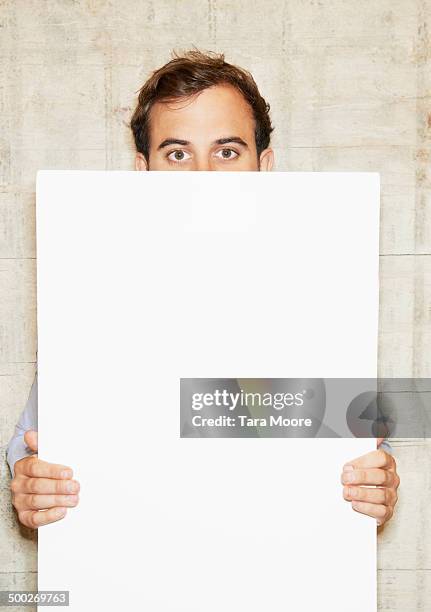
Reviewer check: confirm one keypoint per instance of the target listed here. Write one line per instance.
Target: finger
(371, 476)
(379, 441)
(30, 438)
(377, 511)
(37, 518)
(375, 459)
(21, 465)
(375, 495)
(42, 502)
(49, 486)
(17, 484)
(36, 468)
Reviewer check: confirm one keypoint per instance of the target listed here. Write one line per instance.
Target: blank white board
(148, 277)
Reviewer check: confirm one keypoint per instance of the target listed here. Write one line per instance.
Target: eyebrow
(237, 139)
(171, 141)
(220, 141)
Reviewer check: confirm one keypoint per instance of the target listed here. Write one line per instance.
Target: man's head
(197, 112)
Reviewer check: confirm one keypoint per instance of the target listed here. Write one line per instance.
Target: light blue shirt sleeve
(17, 448)
(386, 447)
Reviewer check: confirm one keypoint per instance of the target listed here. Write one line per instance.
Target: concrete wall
(350, 88)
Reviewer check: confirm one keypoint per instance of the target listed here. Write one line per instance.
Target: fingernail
(60, 512)
(353, 491)
(72, 487)
(349, 477)
(66, 474)
(72, 500)
(348, 468)
(355, 505)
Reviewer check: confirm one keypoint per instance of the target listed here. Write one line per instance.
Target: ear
(140, 162)
(266, 160)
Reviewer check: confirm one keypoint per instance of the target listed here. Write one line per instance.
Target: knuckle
(375, 495)
(19, 466)
(387, 496)
(31, 467)
(361, 494)
(31, 520)
(36, 486)
(381, 511)
(32, 501)
(14, 485)
(15, 501)
(383, 477)
(390, 479)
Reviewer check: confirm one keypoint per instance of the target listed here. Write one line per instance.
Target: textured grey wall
(350, 88)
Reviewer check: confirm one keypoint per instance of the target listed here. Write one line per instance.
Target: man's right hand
(41, 491)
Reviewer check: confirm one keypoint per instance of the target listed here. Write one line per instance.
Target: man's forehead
(218, 109)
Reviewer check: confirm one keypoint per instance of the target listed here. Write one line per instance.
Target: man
(195, 113)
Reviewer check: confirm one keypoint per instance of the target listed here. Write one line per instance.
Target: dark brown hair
(189, 74)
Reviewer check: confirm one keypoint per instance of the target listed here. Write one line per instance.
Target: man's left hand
(370, 484)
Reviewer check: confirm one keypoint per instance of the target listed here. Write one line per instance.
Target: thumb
(379, 441)
(30, 438)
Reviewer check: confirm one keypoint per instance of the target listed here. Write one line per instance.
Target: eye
(178, 155)
(227, 154)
